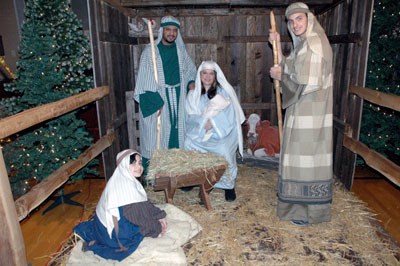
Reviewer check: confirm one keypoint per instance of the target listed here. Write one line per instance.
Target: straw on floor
(248, 232)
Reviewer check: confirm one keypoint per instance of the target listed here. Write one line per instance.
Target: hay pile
(248, 232)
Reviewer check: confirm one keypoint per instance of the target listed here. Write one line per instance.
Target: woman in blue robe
(124, 216)
(213, 121)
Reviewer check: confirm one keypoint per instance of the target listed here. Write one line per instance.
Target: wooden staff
(276, 82)
(153, 56)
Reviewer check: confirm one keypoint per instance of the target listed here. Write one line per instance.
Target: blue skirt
(106, 247)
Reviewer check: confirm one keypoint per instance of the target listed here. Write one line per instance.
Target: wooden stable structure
(234, 33)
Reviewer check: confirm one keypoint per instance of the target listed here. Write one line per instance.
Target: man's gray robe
(305, 174)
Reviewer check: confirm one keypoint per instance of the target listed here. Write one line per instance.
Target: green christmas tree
(380, 128)
(55, 63)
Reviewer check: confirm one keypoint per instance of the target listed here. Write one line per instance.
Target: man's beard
(168, 41)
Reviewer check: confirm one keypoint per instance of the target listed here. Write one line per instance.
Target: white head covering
(122, 188)
(193, 97)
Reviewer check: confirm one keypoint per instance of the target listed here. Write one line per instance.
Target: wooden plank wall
(237, 38)
(113, 66)
(352, 20)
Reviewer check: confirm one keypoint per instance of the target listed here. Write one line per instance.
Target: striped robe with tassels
(146, 82)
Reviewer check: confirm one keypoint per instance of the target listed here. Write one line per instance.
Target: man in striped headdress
(305, 170)
(176, 74)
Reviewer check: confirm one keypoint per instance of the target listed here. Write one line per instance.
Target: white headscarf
(193, 98)
(122, 188)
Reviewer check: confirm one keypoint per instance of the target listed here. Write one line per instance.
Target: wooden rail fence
(374, 159)
(12, 251)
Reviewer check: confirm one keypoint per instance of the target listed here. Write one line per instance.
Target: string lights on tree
(380, 128)
(54, 63)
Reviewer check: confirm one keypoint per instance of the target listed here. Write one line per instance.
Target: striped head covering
(193, 97)
(122, 188)
(171, 21)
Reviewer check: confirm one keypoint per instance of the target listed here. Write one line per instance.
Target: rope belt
(172, 86)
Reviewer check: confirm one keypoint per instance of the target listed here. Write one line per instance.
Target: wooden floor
(44, 234)
(382, 197)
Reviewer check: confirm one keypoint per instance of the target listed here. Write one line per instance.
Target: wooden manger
(172, 169)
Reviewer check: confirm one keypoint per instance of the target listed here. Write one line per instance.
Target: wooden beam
(335, 39)
(119, 120)
(206, 12)
(18, 122)
(339, 124)
(391, 101)
(119, 39)
(12, 251)
(321, 10)
(205, 3)
(261, 106)
(40, 192)
(117, 4)
(374, 159)
(130, 119)
(345, 38)
(155, 3)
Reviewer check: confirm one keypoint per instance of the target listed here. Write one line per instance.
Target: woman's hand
(208, 125)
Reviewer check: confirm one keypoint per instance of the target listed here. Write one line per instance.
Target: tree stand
(62, 198)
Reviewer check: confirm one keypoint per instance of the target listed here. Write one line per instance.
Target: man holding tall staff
(305, 170)
(161, 88)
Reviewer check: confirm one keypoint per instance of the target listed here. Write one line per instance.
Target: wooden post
(276, 82)
(12, 246)
(132, 118)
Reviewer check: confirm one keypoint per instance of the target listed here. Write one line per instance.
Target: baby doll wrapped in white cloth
(216, 105)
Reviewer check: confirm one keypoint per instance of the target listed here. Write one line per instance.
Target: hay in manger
(172, 169)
